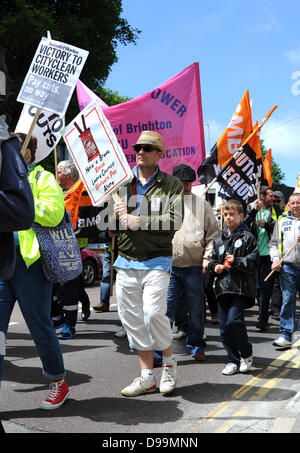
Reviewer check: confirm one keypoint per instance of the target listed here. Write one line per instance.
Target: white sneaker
(178, 334)
(168, 378)
(140, 386)
(121, 333)
(231, 368)
(281, 342)
(246, 364)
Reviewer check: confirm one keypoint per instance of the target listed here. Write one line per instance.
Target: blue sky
(239, 45)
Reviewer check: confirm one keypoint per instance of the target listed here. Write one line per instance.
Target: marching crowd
(172, 257)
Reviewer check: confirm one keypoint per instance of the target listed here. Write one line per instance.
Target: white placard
(52, 76)
(98, 156)
(47, 130)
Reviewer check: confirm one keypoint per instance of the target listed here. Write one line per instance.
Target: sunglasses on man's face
(146, 148)
(277, 201)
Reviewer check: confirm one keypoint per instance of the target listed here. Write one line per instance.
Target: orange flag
(72, 200)
(297, 188)
(236, 132)
(230, 141)
(267, 167)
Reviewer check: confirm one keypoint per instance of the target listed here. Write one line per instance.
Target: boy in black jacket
(234, 262)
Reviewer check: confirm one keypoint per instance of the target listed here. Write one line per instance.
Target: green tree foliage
(277, 174)
(93, 25)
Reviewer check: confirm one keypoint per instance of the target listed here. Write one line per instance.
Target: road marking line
(262, 391)
(275, 364)
(227, 425)
(217, 410)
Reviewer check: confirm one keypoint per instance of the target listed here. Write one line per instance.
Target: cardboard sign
(47, 129)
(52, 76)
(99, 158)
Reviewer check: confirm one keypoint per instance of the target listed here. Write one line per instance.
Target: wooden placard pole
(30, 132)
(55, 159)
(113, 241)
(116, 199)
(258, 194)
(282, 259)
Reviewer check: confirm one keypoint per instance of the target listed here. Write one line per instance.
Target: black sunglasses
(277, 201)
(146, 148)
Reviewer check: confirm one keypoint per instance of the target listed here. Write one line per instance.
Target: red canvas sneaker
(57, 396)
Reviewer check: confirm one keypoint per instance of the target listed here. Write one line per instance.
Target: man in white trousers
(149, 214)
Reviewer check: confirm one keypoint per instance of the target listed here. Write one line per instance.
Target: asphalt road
(265, 400)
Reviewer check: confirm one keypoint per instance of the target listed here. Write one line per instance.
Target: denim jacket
(16, 203)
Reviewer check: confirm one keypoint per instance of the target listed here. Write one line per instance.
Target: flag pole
(282, 259)
(258, 194)
(255, 129)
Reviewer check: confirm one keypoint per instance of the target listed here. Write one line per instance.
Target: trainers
(140, 386)
(281, 342)
(178, 334)
(67, 333)
(58, 395)
(246, 364)
(121, 333)
(231, 368)
(168, 378)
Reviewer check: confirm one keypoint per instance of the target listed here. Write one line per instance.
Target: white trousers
(142, 307)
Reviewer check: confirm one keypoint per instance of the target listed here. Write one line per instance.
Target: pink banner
(173, 109)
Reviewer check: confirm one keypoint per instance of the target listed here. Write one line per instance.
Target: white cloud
(293, 56)
(269, 25)
(283, 137)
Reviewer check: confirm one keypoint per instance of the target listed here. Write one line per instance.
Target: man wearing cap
(192, 246)
(279, 200)
(148, 214)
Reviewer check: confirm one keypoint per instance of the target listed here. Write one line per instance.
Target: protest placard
(47, 129)
(52, 75)
(98, 156)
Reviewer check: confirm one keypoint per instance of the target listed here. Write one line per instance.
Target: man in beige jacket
(192, 246)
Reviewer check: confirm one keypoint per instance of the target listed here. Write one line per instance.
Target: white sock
(168, 360)
(147, 374)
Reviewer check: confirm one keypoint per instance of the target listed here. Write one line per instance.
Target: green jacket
(161, 216)
(49, 211)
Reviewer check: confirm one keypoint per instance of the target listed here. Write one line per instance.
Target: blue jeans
(105, 280)
(33, 292)
(187, 285)
(290, 283)
(232, 327)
